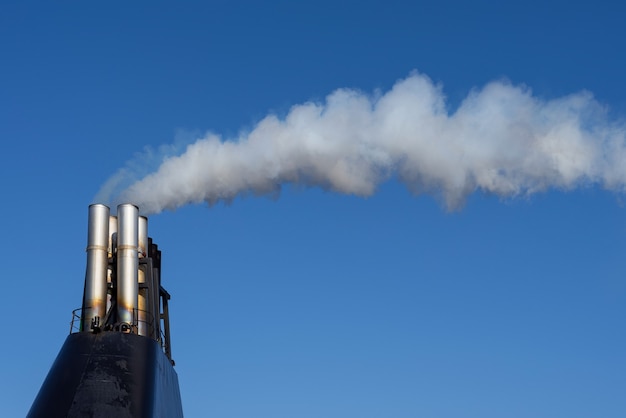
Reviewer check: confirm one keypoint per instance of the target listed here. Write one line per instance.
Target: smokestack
(117, 362)
(121, 270)
(95, 294)
(145, 321)
(127, 264)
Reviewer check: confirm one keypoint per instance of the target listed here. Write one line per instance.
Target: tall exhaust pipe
(95, 294)
(144, 308)
(127, 264)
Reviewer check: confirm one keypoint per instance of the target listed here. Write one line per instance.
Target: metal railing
(76, 321)
(76, 325)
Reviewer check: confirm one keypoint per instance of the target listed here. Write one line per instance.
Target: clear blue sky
(316, 304)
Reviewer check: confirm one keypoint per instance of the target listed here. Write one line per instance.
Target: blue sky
(315, 303)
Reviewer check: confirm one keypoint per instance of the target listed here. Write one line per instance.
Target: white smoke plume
(501, 140)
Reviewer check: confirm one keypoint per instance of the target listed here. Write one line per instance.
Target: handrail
(75, 317)
(75, 323)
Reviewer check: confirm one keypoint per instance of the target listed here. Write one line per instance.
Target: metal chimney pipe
(95, 295)
(112, 235)
(143, 301)
(127, 262)
(142, 237)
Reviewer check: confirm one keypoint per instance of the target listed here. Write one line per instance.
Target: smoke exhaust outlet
(95, 294)
(144, 318)
(127, 262)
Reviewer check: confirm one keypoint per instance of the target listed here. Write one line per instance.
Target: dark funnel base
(109, 374)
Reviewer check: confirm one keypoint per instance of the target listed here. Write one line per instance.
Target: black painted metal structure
(109, 375)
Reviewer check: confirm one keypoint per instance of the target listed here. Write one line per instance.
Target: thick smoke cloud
(500, 140)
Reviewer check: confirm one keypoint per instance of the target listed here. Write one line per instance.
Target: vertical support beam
(166, 324)
(153, 279)
(127, 263)
(95, 294)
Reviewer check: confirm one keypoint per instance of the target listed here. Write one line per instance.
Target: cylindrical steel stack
(127, 263)
(95, 295)
(114, 246)
(143, 301)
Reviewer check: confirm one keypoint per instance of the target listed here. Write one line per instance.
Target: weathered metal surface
(142, 236)
(144, 311)
(109, 374)
(127, 262)
(95, 294)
